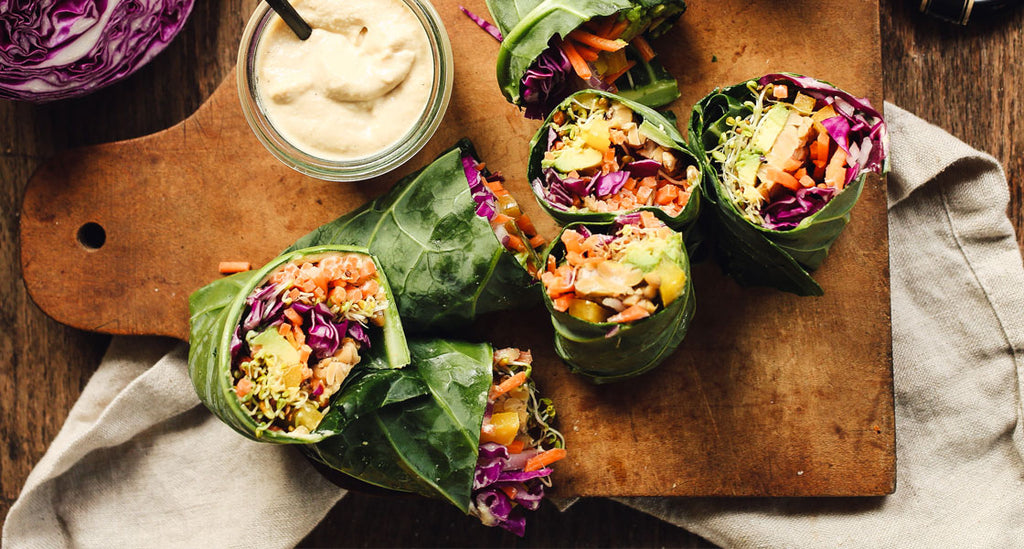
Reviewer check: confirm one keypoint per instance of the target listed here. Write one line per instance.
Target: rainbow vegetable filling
(598, 159)
(301, 335)
(802, 145)
(511, 225)
(620, 278)
(517, 446)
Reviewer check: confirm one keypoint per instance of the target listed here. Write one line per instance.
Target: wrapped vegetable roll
(460, 423)
(454, 243)
(619, 294)
(787, 157)
(270, 348)
(553, 47)
(598, 156)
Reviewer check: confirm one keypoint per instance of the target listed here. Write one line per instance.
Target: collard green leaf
(754, 255)
(648, 82)
(528, 37)
(655, 126)
(216, 310)
(507, 13)
(416, 429)
(607, 352)
(443, 261)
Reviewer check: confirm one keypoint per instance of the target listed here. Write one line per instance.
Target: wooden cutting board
(769, 395)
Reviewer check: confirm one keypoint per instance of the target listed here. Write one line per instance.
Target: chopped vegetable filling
(517, 446)
(790, 157)
(620, 278)
(599, 159)
(510, 223)
(301, 335)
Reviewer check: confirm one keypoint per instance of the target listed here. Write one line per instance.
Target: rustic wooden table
(966, 80)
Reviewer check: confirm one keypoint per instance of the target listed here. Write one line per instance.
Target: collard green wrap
(529, 27)
(607, 352)
(443, 261)
(414, 429)
(756, 255)
(655, 126)
(216, 311)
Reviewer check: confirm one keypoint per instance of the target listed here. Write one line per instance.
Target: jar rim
(361, 168)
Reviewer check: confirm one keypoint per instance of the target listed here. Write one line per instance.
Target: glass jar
(380, 162)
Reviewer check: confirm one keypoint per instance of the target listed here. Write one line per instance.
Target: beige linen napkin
(139, 452)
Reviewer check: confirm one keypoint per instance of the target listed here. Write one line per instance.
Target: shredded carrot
(526, 225)
(586, 52)
(509, 490)
(643, 48)
(631, 314)
(596, 42)
(537, 241)
(232, 267)
(578, 64)
(507, 385)
(544, 459)
(618, 74)
(244, 385)
(500, 219)
(617, 29)
(304, 354)
(293, 316)
(782, 178)
(516, 447)
(516, 243)
(496, 188)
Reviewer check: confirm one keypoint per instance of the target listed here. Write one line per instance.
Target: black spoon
(291, 18)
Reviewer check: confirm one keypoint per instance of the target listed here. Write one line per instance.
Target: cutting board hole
(92, 236)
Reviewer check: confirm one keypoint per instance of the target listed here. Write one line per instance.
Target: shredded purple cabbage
(483, 197)
(643, 168)
(859, 129)
(609, 183)
(484, 24)
(787, 212)
(546, 82)
(559, 192)
(497, 468)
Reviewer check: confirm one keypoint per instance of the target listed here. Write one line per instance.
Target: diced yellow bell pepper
(502, 428)
(673, 281)
(587, 310)
(595, 134)
(308, 416)
(804, 103)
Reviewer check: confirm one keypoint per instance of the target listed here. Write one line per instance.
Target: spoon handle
(291, 18)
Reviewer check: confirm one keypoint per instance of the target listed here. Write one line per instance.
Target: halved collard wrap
(786, 159)
(453, 242)
(619, 294)
(269, 348)
(599, 156)
(552, 48)
(462, 423)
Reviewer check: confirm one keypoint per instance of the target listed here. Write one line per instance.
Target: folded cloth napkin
(138, 451)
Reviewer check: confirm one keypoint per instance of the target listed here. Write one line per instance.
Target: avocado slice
(577, 158)
(769, 130)
(747, 166)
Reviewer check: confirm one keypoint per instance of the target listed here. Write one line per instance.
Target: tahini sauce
(355, 86)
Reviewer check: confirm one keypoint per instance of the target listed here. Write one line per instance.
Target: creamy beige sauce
(357, 85)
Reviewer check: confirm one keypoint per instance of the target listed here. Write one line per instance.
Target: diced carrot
(293, 316)
(643, 194)
(578, 63)
(617, 137)
(244, 386)
(631, 314)
(800, 173)
(780, 91)
(507, 385)
(562, 302)
(516, 243)
(819, 153)
(544, 459)
(574, 258)
(551, 264)
(516, 447)
(284, 329)
(596, 42)
(293, 294)
(782, 178)
(370, 287)
(648, 220)
(304, 353)
(643, 48)
(650, 181)
(573, 241)
(835, 173)
(500, 219)
(232, 267)
(611, 78)
(683, 198)
(666, 195)
(807, 181)
(538, 241)
(558, 282)
(496, 188)
(337, 295)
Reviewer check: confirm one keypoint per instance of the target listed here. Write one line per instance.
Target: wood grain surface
(965, 80)
(755, 403)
